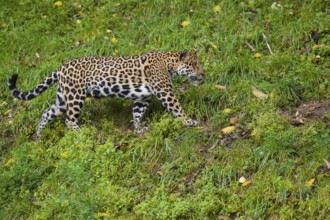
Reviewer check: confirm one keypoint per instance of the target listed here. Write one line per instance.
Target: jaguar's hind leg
(55, 110)
(73, 111)
(139, 108)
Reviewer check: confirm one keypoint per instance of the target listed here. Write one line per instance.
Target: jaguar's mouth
(196, 80)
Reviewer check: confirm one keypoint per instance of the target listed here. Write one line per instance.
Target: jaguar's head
(190, 67)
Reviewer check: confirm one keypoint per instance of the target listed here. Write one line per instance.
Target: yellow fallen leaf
(7, 112)
(316, 46)
(228, 129)
(102, 214)
(254, 132)
(310, 182)
(58, 4)
(214, 46)
(257, 93)
(257, 55)
(220, 87)
(226, 110)
(114, 40)
(246, 183)
(3, 104)
(185, 23)
(217, 8)
(160, 173)
(9, 162)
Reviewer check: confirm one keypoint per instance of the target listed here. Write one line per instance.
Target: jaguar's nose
(197, 79)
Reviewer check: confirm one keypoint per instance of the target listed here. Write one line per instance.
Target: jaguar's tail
(40, 88)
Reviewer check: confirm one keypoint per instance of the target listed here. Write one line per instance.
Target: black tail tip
(12, 81)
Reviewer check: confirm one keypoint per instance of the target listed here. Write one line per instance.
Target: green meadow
(262, 148)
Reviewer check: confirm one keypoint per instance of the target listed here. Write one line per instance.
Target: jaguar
(136, 77)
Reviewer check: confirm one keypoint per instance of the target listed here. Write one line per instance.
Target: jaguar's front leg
(139, 108)
(171, 103)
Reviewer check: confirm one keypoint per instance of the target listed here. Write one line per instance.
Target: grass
(104, 171)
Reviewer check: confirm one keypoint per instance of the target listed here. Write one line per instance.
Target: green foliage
(105, 171)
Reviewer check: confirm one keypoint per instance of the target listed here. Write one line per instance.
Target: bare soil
(310, 112)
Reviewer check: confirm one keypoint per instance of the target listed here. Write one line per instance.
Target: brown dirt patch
(309, 112)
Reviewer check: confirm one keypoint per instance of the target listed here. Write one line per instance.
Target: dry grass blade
(266, 41)
(249, 46)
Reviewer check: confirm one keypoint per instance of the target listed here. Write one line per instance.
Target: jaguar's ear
(184, 55)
